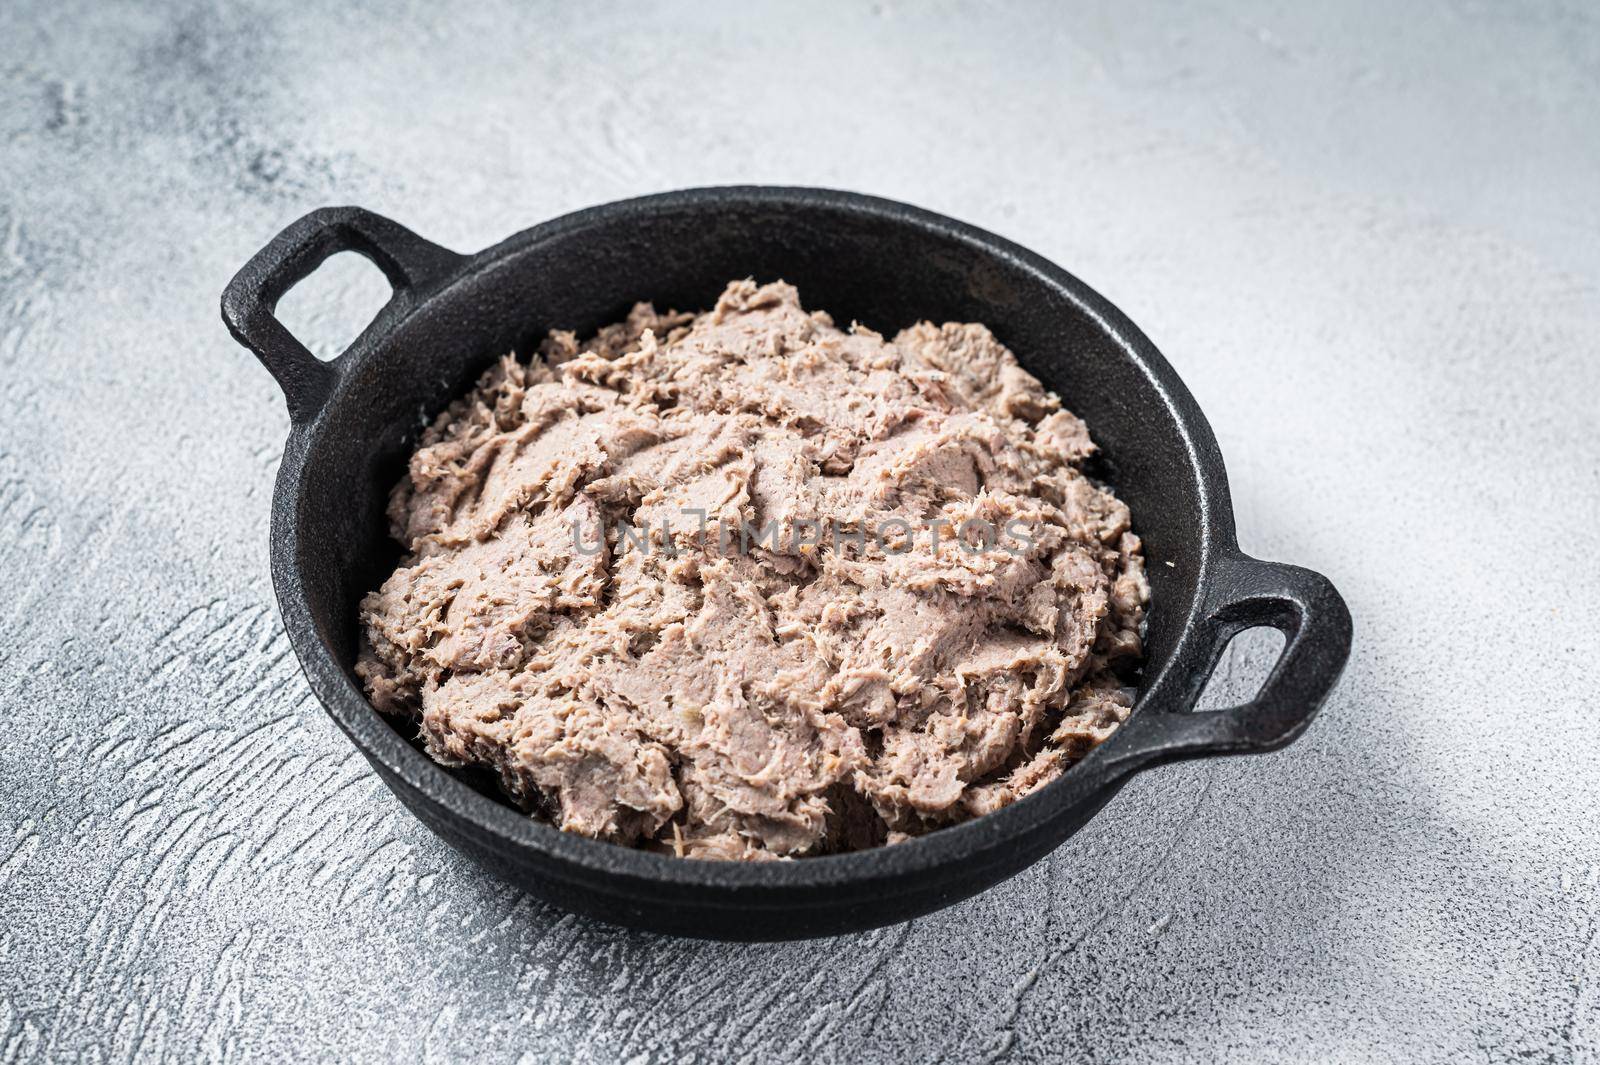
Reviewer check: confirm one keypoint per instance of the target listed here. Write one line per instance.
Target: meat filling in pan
(745, 584)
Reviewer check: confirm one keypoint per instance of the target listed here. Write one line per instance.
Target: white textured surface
(1368, 237)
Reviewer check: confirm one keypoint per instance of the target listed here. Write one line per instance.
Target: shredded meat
(719, 584)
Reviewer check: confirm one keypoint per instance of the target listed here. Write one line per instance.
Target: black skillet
(356, 417)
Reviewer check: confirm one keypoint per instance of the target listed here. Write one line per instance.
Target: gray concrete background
(1368, 236)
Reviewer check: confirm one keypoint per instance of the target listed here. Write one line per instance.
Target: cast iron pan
(355, 418)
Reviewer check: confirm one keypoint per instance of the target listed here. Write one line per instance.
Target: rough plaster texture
(1367, 235)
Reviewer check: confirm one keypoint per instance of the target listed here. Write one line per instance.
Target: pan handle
(1248, 593)
(251, 299)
